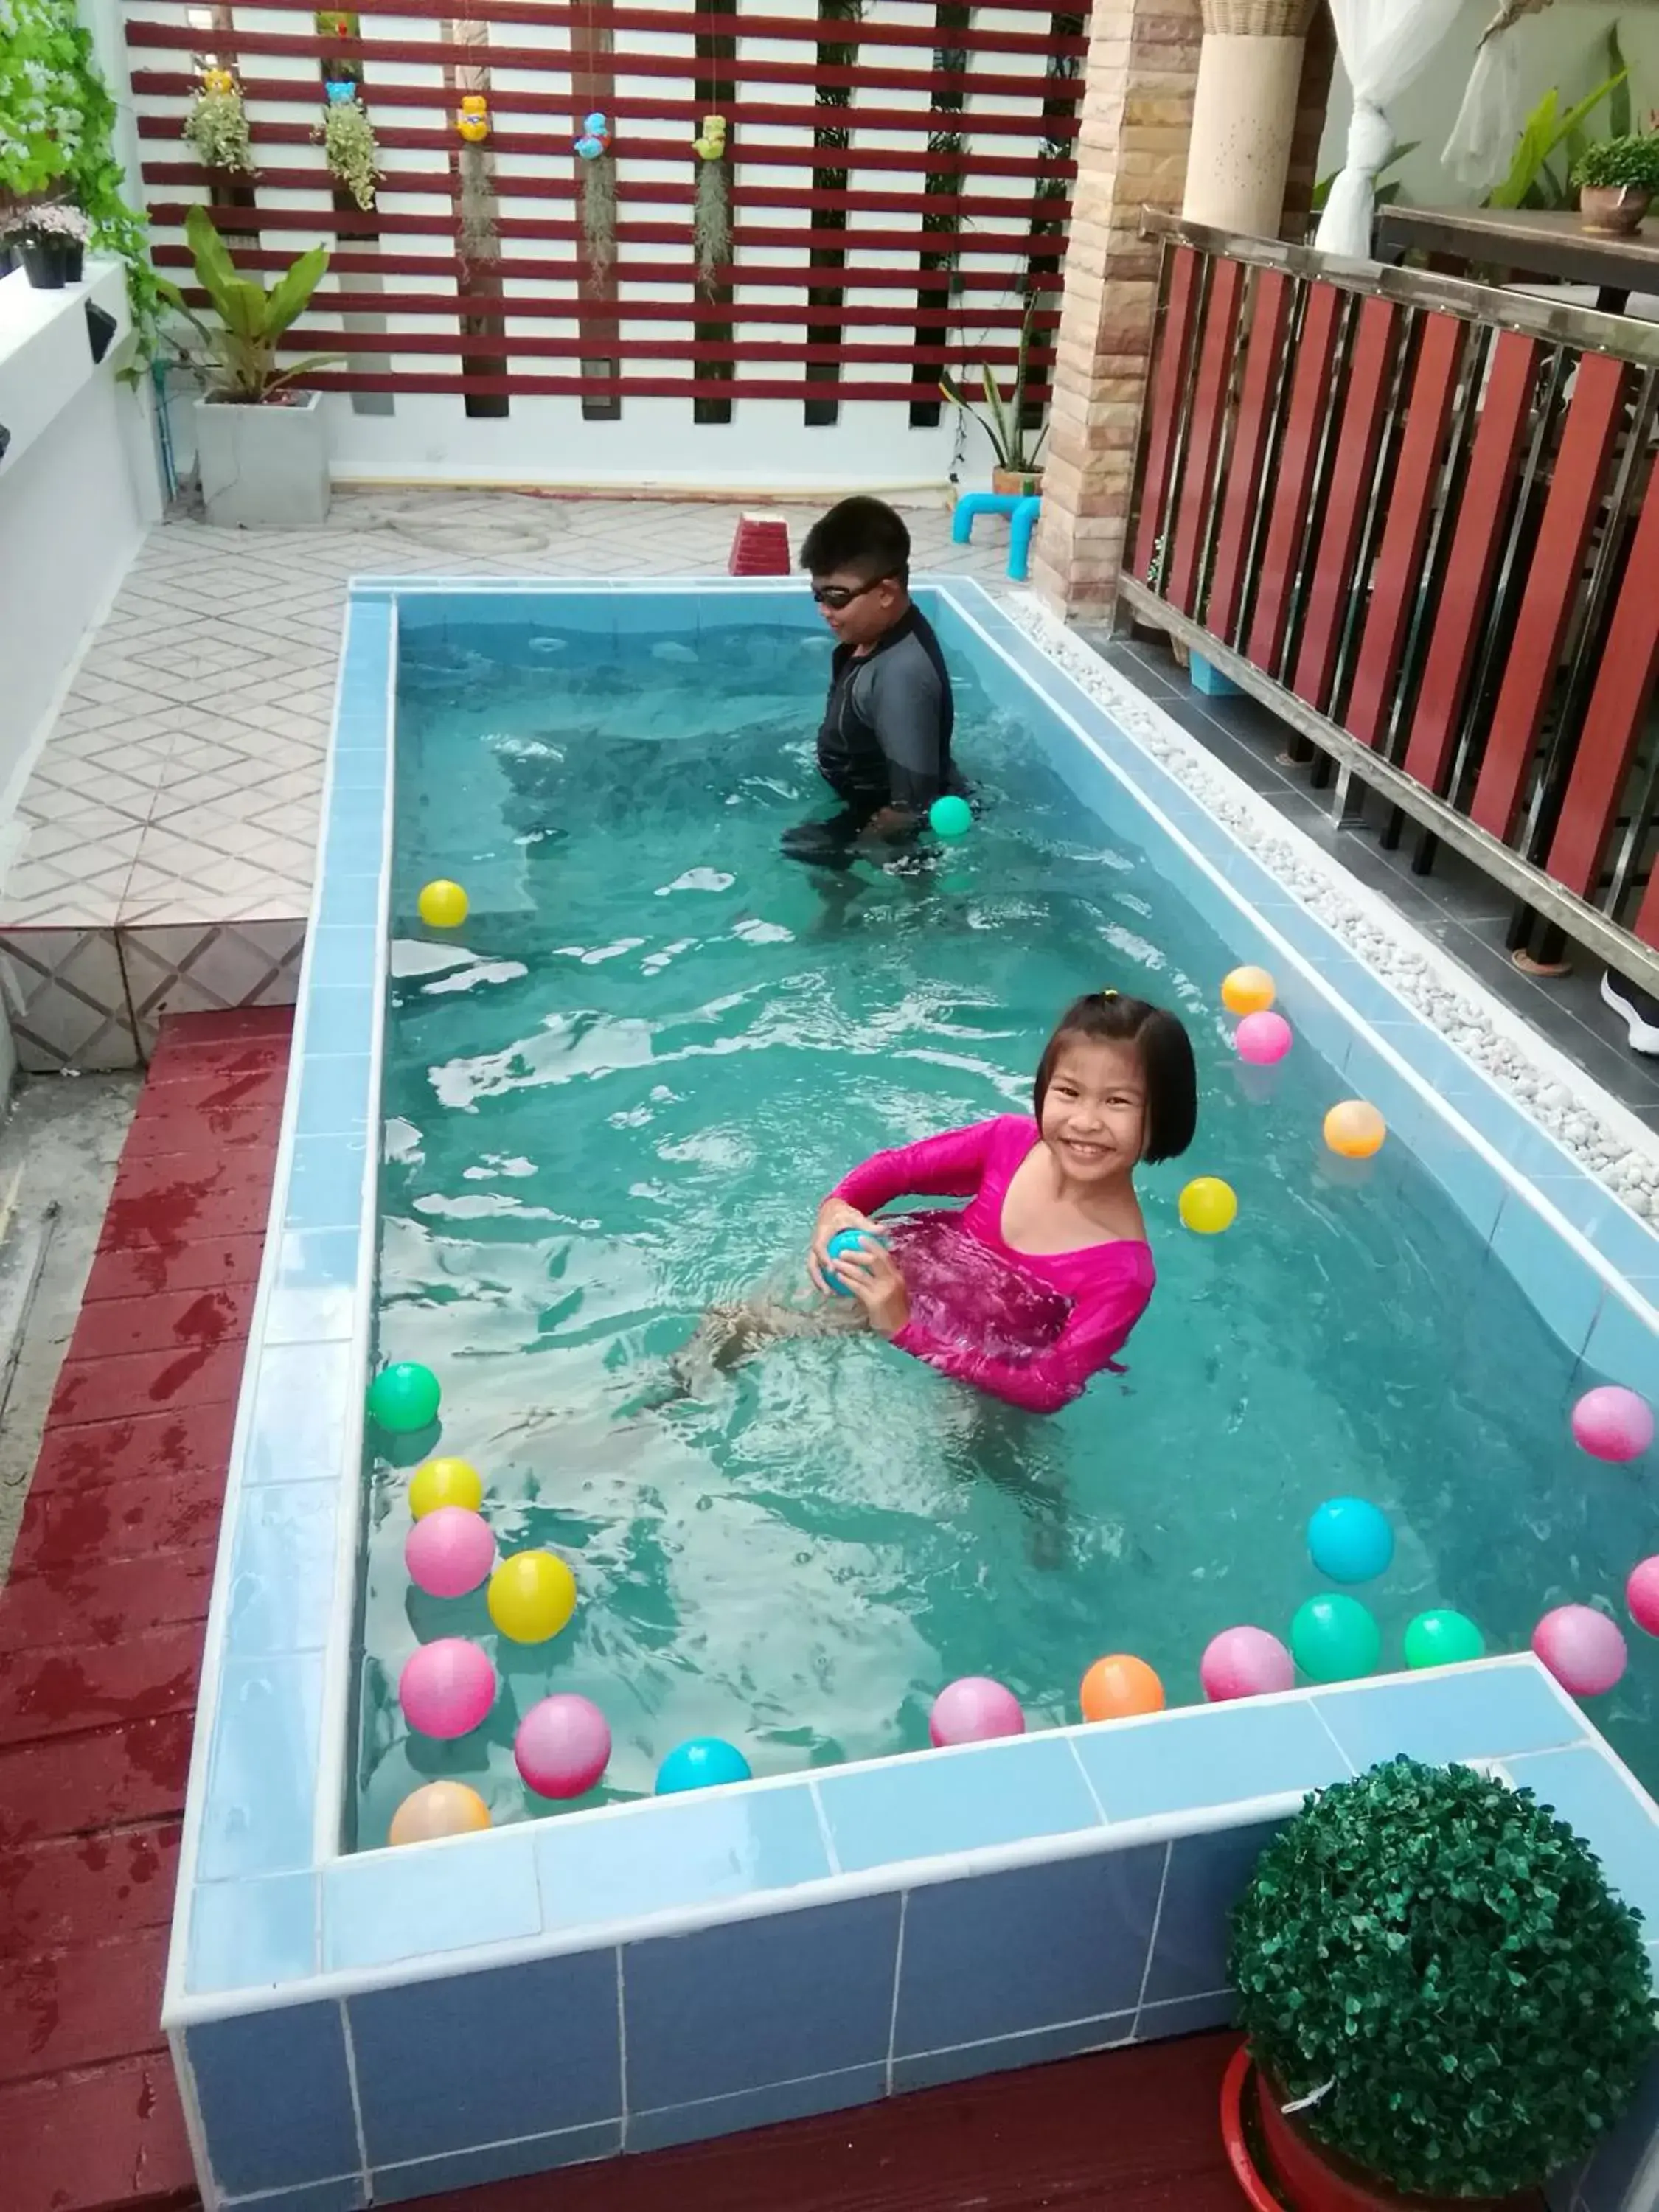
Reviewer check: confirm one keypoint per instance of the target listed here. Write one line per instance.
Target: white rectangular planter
(264, 464)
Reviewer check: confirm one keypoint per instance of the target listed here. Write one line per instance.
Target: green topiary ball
(1444, 1958)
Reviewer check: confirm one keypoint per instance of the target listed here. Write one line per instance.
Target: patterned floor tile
(66, 1000)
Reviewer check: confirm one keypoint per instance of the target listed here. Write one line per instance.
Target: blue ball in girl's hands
(843, 1241)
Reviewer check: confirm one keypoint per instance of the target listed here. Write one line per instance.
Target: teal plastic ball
(701, 1763)
(1442, 1638)
(844, 1240)
(403, 1397)
(1349, 1540)
(950, 817)
(1333, 1638)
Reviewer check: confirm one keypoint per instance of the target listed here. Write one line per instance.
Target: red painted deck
(100, 1636)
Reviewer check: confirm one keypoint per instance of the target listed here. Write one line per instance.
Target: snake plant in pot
(1446, 2002)
(1006, 419)
(262, 446)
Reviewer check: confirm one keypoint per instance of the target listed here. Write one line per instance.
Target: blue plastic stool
(1210, 680)
(1025, 521)
(972, 505)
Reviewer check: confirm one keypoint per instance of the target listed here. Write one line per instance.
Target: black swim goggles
(837, 596)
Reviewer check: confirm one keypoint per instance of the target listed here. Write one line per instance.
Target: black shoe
(1639, 1009)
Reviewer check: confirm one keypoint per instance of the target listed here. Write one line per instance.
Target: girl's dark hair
(1166, 1060)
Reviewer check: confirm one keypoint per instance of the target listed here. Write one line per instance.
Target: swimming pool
(797, 1560)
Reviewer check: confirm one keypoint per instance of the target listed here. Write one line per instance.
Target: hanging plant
(592, 151)
(350, 148)
(711, 219)
(216, 126)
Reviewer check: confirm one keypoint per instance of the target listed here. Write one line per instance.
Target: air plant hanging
(711, 221)
(480, 240)
(598, 172)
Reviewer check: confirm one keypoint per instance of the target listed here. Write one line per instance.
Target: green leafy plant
(1003, 416)
(1437, 1965)
(350, 148)
(239, 355)
(1532, 182)
(216, 127)
(1383, 195)
(1631, 161)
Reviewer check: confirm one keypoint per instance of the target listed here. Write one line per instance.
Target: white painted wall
(1564, 46)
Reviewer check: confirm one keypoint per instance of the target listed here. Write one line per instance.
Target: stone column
(1132, 153)
(1244, 113)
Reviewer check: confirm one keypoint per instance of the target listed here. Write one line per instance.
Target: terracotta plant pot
(1017, 484)
(1611, 210)
(51, 265)
(1281, 2169)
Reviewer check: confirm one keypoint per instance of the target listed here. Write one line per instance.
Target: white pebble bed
(1605, 1139)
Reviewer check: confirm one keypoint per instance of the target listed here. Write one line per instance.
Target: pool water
(615, 1097)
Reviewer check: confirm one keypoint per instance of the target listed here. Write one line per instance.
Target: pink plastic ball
(1612, 1423)
(1262, 1039)
(562, 1746)
(449, 1551)
(1582, 1649)
(1244, 1662)
(972, 1710)
(447, 1688)
(1642, 1593)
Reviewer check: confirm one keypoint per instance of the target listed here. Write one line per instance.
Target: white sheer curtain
(1383, 45)
(1490, 119)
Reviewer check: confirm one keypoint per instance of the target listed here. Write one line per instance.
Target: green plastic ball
(1333, 1638)
(403, 1397)
(950, 817)
(1442, 1638)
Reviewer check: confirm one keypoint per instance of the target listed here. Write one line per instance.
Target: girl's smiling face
(1094, 1111)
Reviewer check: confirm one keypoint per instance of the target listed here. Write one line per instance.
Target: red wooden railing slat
(1475, 542)
(1204, 430)
(1357, 439)
(1405, 530)
(1618, 708)
(1164, 393)
(1269, 316)
(1310, 387)
(1570, 512)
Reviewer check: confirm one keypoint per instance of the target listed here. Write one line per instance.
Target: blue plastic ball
(699, 1763)
(844, 1240)
(1349, 1540)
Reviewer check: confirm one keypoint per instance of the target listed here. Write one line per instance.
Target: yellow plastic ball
(1248, 990)
(443, 905)
(1355, 1129)
(444, 1482)
(1208, 1205)
(531, 1596)
(438, 1808)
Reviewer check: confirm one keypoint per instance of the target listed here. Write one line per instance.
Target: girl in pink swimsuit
(1034, 1285)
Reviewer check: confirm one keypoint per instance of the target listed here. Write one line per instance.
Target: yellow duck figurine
(712, 144)
(473, 121)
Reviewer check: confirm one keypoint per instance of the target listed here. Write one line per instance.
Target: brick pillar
(1132, 153)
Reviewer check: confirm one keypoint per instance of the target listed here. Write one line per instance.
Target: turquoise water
(617, 1096)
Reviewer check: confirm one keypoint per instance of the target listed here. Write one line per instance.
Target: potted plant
(261, 446)
(216, 126)
(1446, 2002)
(51, 241)
(1003, 418)
(349, 146)
(1616, 179)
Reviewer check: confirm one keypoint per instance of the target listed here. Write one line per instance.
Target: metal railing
(1419, 520)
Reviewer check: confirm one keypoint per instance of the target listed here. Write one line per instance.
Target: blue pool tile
(471, 2169)
(360, 767)
(343, 2194)
(1475, 1184)
(282, 1579)
(1002, 1953)
(275, 2097)
(961, 1801)
(297, 1430)
(1206, 1875)
(968, 2061)
(376, 1909)
(1563, 1288)
(253, 1934)
(313, 1294)
(344, 957)
(262, 1769)
(1185, 2016)
(1215, 1756)
(678, 1852)
(792, 608)
(527, 2051)
(1321, 1025)
(1481, 1712)
(1371, 1074)
(325, 1180)
(355, 836)
(361, 735)
(334, 1093)
(349, 895)
(771, 1999)
(1595, 1800)
(339, 1021)
(756, 2108)
(1621, 1343)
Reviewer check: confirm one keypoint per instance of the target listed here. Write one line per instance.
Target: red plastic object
(761, 547)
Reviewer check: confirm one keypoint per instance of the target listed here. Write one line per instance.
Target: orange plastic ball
(1248, 990)
(438, 1808)
(1118, 1685)
(1354, 1129)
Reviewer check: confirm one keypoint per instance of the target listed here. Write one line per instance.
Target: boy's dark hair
(1166, 1060)
(861, 538)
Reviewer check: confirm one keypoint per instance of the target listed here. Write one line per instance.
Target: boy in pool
(884, 743)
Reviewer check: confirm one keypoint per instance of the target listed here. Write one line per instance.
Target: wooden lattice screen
(899, 180)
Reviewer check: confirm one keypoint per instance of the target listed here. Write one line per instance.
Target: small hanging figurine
(598, 175)
(595, 139)
(218, 80)
(473, 121)
(711, 219)
(712, 144)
